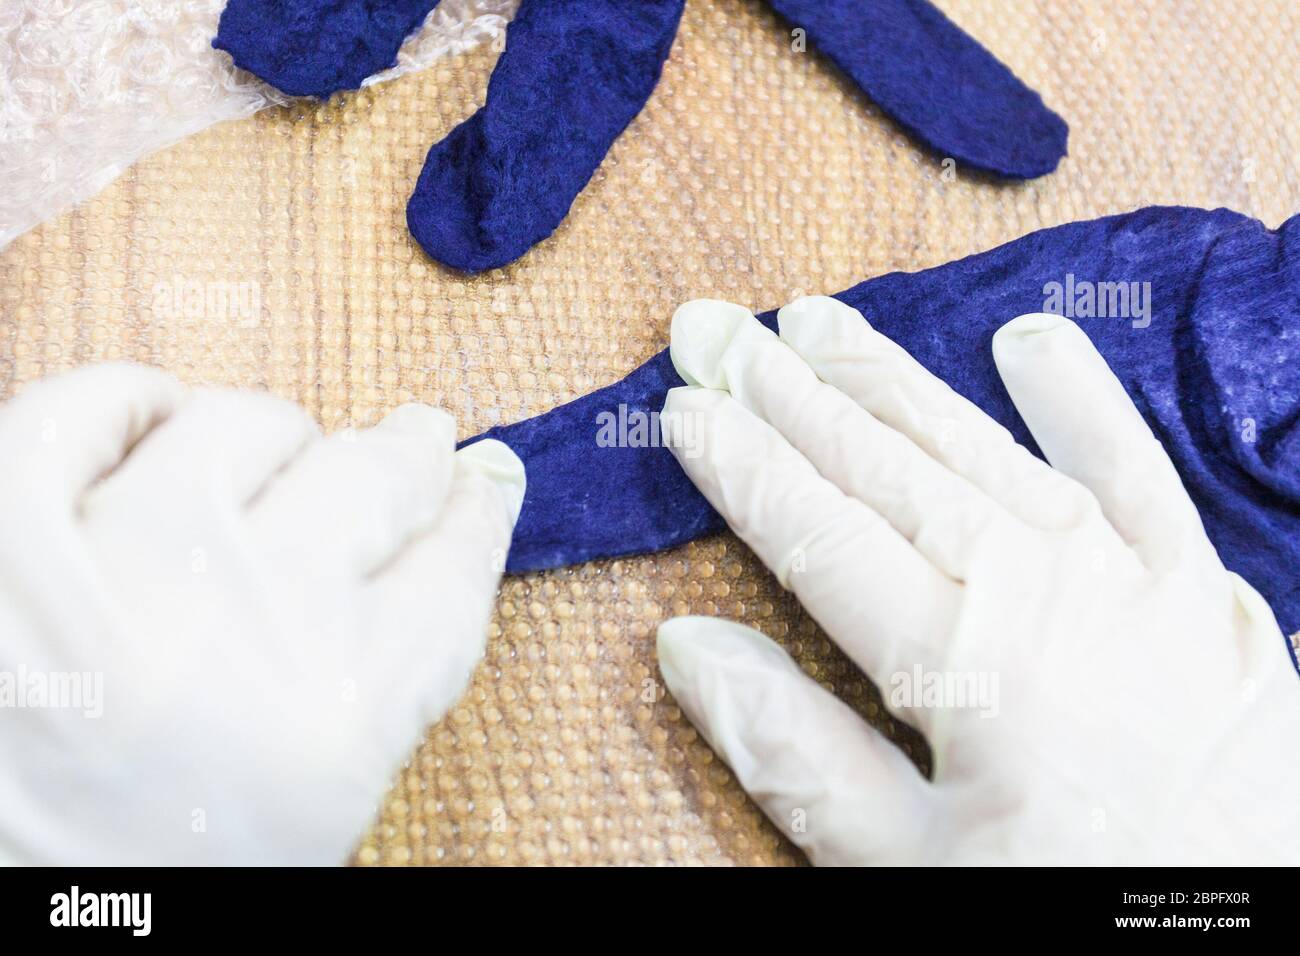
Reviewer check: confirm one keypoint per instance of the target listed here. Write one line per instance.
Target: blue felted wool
(316, 47)
(935, 81)
(1212, 361)
(575, 72)
(572, 76)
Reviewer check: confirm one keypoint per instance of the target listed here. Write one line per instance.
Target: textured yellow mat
(755, 174)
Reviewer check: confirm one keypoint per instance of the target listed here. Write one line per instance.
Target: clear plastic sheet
(87, 87)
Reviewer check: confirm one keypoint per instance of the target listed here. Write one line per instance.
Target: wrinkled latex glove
(1126, 699)
(262, 620)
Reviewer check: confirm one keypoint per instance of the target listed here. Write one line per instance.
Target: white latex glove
(272, 617)
(1140, 703)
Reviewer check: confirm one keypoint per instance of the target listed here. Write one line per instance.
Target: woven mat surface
(755, 174)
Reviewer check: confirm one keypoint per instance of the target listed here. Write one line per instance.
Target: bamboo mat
(756, 174)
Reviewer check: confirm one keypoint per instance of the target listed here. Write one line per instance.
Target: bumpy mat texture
(756, 173)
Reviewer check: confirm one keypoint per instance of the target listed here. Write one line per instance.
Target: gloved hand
(1094, 686)
(240, 627)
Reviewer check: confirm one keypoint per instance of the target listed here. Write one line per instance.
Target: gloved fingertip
(418, 419)
(153, 386)
(691, 398)
(689, 644)
(678, 661)
(1026, 331)
(817, 319)
(674, 633)
(498, 462)
(701, 331)
(733, 683)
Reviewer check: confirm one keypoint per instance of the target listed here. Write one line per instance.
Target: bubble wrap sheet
(87, 87)
(755, 174)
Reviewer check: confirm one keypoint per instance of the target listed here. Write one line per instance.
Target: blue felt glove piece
(316, 47)
(1209, 350)
(575, 72)
(938, 83)
(572, 76)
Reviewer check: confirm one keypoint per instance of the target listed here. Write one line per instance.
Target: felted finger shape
(572, 76)
(936, 81)
(317, 49)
